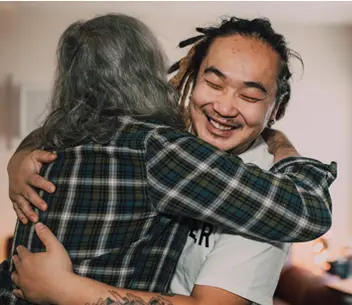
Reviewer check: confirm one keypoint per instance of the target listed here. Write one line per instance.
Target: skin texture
(227, 91)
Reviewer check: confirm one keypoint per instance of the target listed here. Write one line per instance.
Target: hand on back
(24, 176)
(279, 145)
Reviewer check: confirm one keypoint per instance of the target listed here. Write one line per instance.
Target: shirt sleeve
(251, 272)
(188, 177)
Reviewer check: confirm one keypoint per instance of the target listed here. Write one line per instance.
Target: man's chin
(230, 145)
(222, 145)
(218, 142)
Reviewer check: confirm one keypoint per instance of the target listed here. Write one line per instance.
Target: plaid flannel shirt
(122, 210)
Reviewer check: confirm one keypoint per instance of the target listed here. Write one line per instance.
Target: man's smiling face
(234, 94)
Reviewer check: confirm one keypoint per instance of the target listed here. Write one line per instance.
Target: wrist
(16, 158)
(77, 290)
(65, 291)
(282, 147)
(284, 152)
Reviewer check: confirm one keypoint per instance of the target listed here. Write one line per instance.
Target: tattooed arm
(77, 290)
(129, 298)
(48, 278)
(89, 292)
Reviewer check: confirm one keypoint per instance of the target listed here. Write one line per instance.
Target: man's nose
(226, 106)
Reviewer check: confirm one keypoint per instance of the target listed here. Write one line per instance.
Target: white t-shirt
(245, 267)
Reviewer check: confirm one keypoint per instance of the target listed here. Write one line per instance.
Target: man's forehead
(243, 58)
(238, 42)
(237, 47)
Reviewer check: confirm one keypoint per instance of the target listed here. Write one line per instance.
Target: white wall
(317, 121)
(319, 118)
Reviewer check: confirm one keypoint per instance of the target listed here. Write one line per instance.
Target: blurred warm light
(320, 256)
(326, 266)
(318, 247)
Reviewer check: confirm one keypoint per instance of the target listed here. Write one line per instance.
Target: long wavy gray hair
(107, 67)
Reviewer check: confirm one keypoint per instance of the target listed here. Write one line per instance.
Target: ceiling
(200, 12)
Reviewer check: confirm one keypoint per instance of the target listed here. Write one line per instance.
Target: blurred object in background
(321, 254)
(342, 266)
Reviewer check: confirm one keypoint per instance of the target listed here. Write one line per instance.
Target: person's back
(101, 211)
(111, 84)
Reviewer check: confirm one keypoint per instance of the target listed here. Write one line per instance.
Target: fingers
(17, 262)
(18, 259)
(19, 213)
(42, 156)
(22, 252)
(33, 197)
(15, 279)
(47, 237)
(41, 183)
(26, 208)
(18, 293)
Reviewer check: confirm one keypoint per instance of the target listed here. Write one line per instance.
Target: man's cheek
(202, 96)
(254, 117)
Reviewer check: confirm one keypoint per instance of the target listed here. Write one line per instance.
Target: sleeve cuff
(294, 162)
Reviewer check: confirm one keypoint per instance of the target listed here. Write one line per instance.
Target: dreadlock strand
(184, 64)
(178, 79)
(185, 91)
(190, 41)
(209, 32)
(174, 67)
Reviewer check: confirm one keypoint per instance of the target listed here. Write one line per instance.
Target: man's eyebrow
(216, 71)
(257, 85)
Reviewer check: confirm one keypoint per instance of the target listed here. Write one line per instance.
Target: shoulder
(249, 248)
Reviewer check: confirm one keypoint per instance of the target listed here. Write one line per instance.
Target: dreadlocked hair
(188, 67)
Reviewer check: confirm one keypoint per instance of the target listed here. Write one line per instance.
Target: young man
(242, 75)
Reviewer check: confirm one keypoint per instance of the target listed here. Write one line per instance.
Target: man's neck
(241, 149)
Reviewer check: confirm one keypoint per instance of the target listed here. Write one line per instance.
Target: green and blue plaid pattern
(290, 203)
(122, 209)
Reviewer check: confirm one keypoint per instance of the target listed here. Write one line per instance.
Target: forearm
(290, 203)
(285, 151)
(79, 290)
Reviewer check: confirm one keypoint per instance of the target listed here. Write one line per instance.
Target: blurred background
(318, 120)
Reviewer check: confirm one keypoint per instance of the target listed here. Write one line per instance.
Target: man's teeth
(219, 126)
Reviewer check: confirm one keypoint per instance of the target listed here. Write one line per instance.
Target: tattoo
(130, 299)
(31, 141)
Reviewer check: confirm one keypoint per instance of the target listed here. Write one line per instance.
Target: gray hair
(108, 66)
